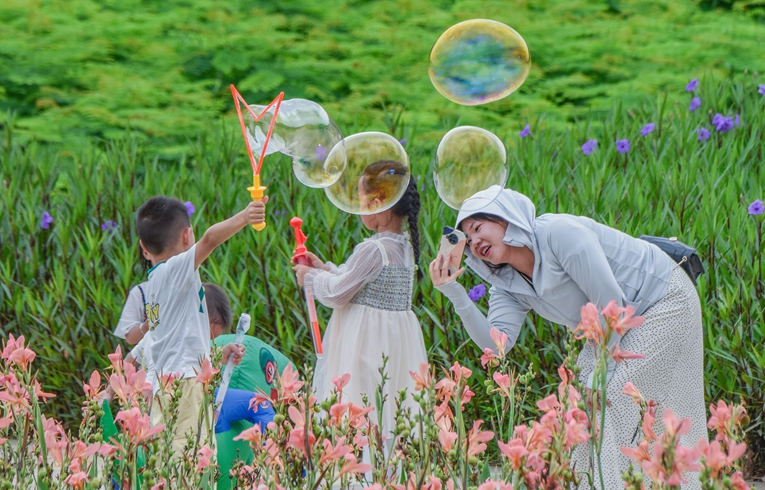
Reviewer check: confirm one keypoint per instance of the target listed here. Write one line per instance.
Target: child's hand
(315, 261)
(439, 271)
(255, 212)
(301, 271)
(237, 350)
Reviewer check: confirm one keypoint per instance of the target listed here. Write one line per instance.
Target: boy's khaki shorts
(189, 412)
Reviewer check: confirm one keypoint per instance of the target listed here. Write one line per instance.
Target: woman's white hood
(513, 207)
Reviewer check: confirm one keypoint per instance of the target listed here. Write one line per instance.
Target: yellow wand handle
(256, 191)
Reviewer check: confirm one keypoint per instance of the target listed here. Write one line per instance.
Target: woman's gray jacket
(576, 261)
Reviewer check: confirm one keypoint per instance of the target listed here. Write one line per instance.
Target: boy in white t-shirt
(175, 307)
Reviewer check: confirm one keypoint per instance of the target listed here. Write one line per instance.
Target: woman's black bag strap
(681, 253)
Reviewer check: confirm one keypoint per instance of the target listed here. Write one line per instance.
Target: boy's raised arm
(254, 213)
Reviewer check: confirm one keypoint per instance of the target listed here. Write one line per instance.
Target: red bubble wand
(299, 254)
(256, 191)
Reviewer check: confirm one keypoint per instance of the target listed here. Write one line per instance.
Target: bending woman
(556, 263)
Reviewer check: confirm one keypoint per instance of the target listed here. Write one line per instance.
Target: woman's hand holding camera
(439, 270)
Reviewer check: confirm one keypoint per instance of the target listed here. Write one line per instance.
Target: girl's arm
(337, 288)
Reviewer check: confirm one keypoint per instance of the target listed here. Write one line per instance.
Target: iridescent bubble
(479, 61)
(303, 131)
(376, 173)
(468, 160)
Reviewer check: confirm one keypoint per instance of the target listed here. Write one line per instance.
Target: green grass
(78, 69)
(64, 287)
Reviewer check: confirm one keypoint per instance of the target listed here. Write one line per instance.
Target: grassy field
(74, 70)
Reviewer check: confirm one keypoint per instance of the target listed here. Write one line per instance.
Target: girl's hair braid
(409, 206)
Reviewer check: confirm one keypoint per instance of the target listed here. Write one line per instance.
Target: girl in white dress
(371, 295)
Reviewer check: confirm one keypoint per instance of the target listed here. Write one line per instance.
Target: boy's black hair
(218, 306)
(160, 222)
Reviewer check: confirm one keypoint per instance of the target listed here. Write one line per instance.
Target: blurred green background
(105, 104)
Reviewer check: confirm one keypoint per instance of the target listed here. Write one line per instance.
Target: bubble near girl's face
(479, 61)
(376, 173)
(468, 160)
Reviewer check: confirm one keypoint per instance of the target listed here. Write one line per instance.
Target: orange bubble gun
(257, 190)
(299, 255)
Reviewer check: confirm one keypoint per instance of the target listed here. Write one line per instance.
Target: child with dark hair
(177, 314)
(371, 295)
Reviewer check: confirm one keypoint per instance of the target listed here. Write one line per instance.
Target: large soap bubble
(303, 131)
(376, 174)
(468, 160)
(479, 61)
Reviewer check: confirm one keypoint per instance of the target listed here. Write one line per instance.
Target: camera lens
(452, 237)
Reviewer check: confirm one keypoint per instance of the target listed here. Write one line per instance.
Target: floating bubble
(479, 61)
(468, 160)
(376, 173)
(303, 131)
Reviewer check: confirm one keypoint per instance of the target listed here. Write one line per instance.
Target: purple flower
(277, 212)
(722, 124)
(108, 225)
(417, 179)
(754, 209)
(647, 129)
(190, 207)
(737, 122)
(479, 292)
(623, 146)
(402, 141)
(321, 153)
(761, 89)
(589, 147)
(704, 134)
(525, 132)
(422, 187)
(692, 85)
(46, 221)
(695, 104)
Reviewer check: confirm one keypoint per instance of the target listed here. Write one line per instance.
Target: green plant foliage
(63, 287)
(74, 69)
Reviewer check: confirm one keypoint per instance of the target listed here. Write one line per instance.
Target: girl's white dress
(371, 295)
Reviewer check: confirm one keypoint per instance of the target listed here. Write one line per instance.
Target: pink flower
(648, 420)
(630, 390)
(137, 425)
(444, 416)
(11, 345)
(334, 453)
(460, 372)
(477, 439)
(620, 355)
(500, 341)
(356, 414)
(503, 381)
(167, 380)
(77, 480)
(737, 482)
(205, 455)
(549, 403)
(206, 372)
(337, 412)
(290, 383)
(22, 356)
(253, 435)
(514, 451)
(620, 324)
(487, 357)
(92, 388)
(674, 427)
(422, 378)
(107, 450)
(447, 438)
(642, 453)
(353, 466)
(116, 359)
(589, 328)
(721, 417)
(341, 381)
(576, 433)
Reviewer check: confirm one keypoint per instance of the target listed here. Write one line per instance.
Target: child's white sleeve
(179, 269)
(337, 288)
(132, 313)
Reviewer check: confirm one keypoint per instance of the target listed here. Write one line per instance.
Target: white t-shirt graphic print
(177, 316)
